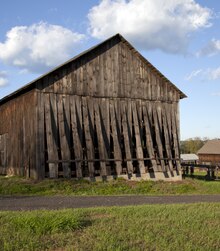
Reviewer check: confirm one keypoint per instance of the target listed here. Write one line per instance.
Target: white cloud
(216, 94)
(149, 24)
(214, 74)
(207, 74)
(38, 47)
(3, 79)
(193, 74)
(211, 49)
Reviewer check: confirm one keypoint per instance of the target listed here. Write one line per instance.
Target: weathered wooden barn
(105, 112)
(210, 152)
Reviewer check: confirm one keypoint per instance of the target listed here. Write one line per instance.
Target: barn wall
(113, 70)
(88, 136)
(210, 158)
(106, 113)
(18, 122)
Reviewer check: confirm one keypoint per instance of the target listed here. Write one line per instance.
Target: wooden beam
(139, 149)
(101, 143)
(64, 131)
(115, 136)
(126, 135)
(51, 134)
(157, 125)
(76, 126)
(149, 140)
(88, 117)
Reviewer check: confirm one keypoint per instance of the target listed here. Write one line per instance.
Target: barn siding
(89, 136)
(209, 158)
(113, 70)
(18, 122)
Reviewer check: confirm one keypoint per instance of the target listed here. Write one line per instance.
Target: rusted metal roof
(120, 38)
(210, 147)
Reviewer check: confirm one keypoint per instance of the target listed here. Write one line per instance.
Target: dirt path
(60, 202)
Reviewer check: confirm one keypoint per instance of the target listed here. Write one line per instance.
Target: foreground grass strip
(149, 227)
(20, 186)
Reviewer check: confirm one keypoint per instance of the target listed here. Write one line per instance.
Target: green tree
(192, 145)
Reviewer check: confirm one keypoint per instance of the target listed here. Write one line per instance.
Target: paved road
(60, 202)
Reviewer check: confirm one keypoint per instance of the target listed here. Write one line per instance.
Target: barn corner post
(106, 113)
(40, 136)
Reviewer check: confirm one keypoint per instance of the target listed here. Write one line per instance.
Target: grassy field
(20, 186)
(149, 227)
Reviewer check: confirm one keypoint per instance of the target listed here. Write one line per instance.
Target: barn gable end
(106, 112)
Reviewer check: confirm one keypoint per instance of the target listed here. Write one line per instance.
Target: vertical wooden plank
(40, 146)
(128, 70)
(124, 71)
(130, 125)
(139, 149)
(167, 137)
(76, 125)
(106, 71)
(90, 104)
(127, 139)
(101, 143)
(97, 75)
(121, 91)
(80, 88)
(88, 135)
(64, 132)
(175, 135)
(115, 71)
(3, 153)
(50, 137)
(149, 140)
(115, 136)
(158, 136)
(73, 78)
(101, 84)
(105, 121)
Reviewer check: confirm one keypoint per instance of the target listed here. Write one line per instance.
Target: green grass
(20, 186)
(149, 227)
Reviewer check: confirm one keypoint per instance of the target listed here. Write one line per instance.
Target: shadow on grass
(204, 177)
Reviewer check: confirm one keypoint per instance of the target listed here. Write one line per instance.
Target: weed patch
(20, 186)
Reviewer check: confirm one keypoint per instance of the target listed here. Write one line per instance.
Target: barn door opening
(3, 153)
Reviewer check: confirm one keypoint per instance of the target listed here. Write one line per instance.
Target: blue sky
(180, 37)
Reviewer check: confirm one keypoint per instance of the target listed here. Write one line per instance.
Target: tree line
(192, 145)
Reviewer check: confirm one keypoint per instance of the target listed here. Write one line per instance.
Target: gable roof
(118, 37)
(210, 147)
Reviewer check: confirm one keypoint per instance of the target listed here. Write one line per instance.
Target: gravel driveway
(60, 202)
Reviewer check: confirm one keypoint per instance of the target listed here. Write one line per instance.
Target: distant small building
(190, 158)
(210, 152)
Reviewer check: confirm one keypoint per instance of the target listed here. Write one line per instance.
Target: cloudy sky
(180, 37)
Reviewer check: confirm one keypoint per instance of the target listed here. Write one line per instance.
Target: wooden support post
(76, 125)
(167, 137)
(139, 149)
(101, 144)
(175, 136)
(127, 137)
(105, 126)
(64, 131)
(149, 140)
(51, 134)
(158, 137)
(40, 137)
(115, 136)
(88, 126)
